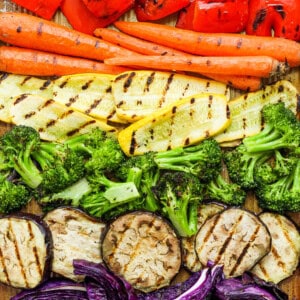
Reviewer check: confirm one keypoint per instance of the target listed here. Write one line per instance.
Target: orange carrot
(135, 44)
(23, 30)
(260, 66)
(217, 44)
(37, 63)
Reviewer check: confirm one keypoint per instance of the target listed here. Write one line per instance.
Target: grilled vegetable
(75, 236)
(140, 93)
(245, 110)
(235, 238)
(183, 123)
(189, 256)
(283, 259)
(54, 121)
(142, 248)
(88, 93)
(25, 250)
(12, 85)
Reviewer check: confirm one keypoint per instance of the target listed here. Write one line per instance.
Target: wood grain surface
(291, 285)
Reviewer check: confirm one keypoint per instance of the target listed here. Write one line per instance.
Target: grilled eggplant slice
(54, 121)
(25, 250)
(235, 238)
(140, 93)
(75, 236)
(142, 248)
(189, 256)
(283, 259)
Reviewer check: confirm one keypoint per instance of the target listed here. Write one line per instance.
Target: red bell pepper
(214, 16)
(279, 16)
(150, 10)
(43, 8)
(80, 17)
(109, 8)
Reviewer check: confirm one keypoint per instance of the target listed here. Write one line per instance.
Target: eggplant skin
(25, 250)
(143, 248)
(76, 235)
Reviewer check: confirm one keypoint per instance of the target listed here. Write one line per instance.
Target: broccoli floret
(265, 173)
(283, 194)
(180, 194)
(227, 192)
(281, 130)
(284, 164)
(203, 160)
(18, 145)
(13, 196)
(60, 166)
(242, 165)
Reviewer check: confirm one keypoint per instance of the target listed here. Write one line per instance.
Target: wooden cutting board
(291, 285)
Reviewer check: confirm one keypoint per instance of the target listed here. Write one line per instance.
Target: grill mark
(34, 250)
(186, 88)
(72, 100)
(133, 143)
(128, 82)
(149, 81)
(87, 84)
(27, 78)
(165, 90)
(20, 99)
(93, 106)
(277, 257)
(78, 129)
(210, 101)
(29, 115)
(228, 239)
(45, 84)
(263, 270)
(4, 269)
(17, 252)
(63, 84)
(3, 76)
(245, 250)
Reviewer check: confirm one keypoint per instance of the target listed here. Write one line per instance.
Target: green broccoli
(18, 145)
(242, 165)
(203, 160)
(180, 194)
(281, 130)
(229, 193)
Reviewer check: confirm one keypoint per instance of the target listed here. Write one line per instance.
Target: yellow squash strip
(185, 122)
(245, 111)
(88, 93)
(12, 85)
(54, 121)
(140, 93)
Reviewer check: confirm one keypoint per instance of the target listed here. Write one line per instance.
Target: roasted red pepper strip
(214, 16)
(279, 16)
(81, 18)
(109, 8)
(43, 8)
(149, 10)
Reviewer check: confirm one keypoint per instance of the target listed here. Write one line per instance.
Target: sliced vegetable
(25, 250)
(39, 63)
(185, 122)
(272, 17)
(218, 44)
(140, 93)
(54, 121)
(245, 110)
(283, 259)
(235, 238)
(44, 9)
(142, 248)
(89, 93)
(214, 16)
(76, 236)
(147, 10)
(31, 32)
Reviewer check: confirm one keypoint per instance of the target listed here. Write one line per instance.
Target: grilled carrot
(261, 66)
(37, 63)
(23, 30)
(218, 44)
(135, 44)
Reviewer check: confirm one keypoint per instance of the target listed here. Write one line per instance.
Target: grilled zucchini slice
(283, 259)
(140, 93)
(54, 121)
(185, 122)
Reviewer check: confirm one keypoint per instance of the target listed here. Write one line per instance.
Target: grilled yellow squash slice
(89, 93)
(12, 85)
(185, 122)
(140, 93)
(245, 110)
(54, 121)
